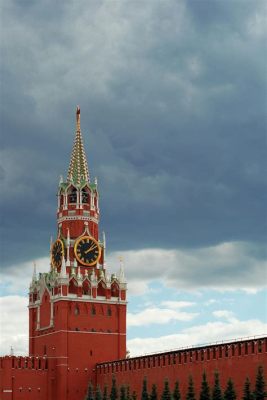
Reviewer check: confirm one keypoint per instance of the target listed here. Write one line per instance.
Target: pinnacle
(78, 172)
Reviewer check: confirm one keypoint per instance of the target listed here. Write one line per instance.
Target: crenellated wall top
(236, 348)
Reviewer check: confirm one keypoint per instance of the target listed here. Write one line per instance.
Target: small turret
(63, 272)
(34, 275)
(121, 272)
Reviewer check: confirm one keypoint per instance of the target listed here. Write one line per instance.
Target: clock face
(57, 253)
(87, 251)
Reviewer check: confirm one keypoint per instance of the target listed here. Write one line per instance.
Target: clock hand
(90, 248)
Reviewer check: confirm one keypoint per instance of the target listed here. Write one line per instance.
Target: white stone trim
(84, 299)
(45, 357)
(83, 332)
(77, 218)
(51, 314)
(87, 299)
(46, 327)
(71, 212)
(38, 318)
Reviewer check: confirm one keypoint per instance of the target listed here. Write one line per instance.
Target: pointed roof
(78, 172)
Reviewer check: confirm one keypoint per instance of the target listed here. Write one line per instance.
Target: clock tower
(77, 310)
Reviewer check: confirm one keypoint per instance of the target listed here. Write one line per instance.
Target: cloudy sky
(173, 113)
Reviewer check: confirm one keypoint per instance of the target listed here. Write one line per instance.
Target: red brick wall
(24, 378)
(236, 360)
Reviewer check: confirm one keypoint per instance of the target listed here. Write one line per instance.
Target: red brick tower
(77, 311)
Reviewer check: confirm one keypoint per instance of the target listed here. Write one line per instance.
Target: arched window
(114, 290)
(86, 288)
(35, 295)
(73, 195)
(85, 196)
(72, 287)
(101, 289)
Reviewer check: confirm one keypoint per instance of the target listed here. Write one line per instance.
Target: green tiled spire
(78, 170)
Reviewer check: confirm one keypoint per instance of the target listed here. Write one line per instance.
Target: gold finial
(78, 117)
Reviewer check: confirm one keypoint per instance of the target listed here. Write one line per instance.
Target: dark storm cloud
(173, 98)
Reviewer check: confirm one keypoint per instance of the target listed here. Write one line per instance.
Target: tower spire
(78, 172)
(78, 119)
